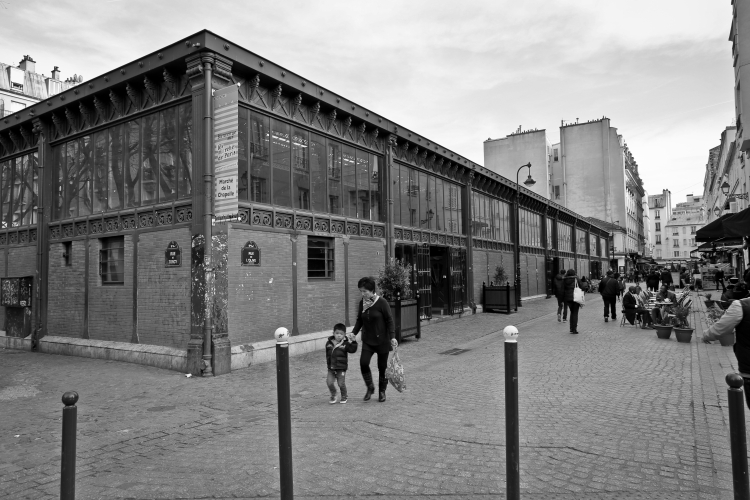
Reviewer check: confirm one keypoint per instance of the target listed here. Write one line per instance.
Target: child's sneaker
(343, 401)
(332, 400)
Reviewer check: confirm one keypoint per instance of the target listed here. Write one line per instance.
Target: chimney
(56, 73)
(28, 64)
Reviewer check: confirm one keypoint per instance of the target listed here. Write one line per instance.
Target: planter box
(406, 317)
(663, 332)
(499, 298)
(683, 334)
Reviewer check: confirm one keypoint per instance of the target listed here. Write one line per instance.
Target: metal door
(424, 281)
(457, 259)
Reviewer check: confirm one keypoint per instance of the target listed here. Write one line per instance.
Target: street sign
(173, 255)
(250, 254)
(225, 154)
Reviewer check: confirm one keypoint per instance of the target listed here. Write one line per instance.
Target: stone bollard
(68, 455)
(286, 478)
(512, 447)
(737, 439)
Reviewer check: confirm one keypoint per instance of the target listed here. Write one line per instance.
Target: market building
(103, 192)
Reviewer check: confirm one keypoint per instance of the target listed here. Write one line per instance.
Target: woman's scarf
(368, 303)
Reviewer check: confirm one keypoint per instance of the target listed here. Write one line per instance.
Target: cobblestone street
(610, 413)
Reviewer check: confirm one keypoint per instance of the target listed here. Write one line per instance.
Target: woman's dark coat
(377, 325)
(570, 285)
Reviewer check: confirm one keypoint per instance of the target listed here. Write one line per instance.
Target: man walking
(719, 277)
(558, 286)
(609, 288)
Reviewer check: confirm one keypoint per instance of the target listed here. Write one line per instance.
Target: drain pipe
(208, 183)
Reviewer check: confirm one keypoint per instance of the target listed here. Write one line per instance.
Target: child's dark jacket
(338, 358)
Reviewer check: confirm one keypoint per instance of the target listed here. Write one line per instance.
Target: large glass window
(300, 168)
(334, 178)
(580, 241)
(439, 206)
(280, 159)
(260, 166)
(349, 180)
(530, 228)
(430, 208)
(363, 185)
(138, 162)
(424, 218)
(318, 173)
(375, 188)
(405, 195)
(564, 237)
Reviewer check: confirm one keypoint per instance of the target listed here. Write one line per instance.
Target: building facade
(505, 156)
(104, 184)
(21, 86)
(679, 234)
(648, 247)
(660, 212)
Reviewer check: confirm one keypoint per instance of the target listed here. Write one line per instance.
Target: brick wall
(65, 301)
(110, 306)
(320, 303)
(163, 292)
(366, 257)
(260, 298)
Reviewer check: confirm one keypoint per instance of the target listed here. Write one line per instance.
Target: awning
(714, 230)
(738, 224)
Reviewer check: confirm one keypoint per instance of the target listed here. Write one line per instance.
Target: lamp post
(528, 182)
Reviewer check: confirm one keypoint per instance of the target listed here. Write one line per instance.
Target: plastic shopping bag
(394, 372)
(578, 295)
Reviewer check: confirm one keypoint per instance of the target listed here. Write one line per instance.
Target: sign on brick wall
(225, 154)
(173, 255)
(250, 254)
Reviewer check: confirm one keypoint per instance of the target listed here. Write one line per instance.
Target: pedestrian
(719, 278)
(338, 347)
(378, 335)
(643, 297)
(666, 278)
(736, 318)
(609, 287)
(633, 307)
(571, 280)
(665, 296)
(652, 280)
(558, 286)
(636, 277)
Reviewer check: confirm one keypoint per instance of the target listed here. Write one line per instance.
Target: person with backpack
(609, 288)
(737, 318)
(558, 287)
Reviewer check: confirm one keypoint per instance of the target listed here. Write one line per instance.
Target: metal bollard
(512, 447)
(68, 460)
(737, 439)
(285, 414)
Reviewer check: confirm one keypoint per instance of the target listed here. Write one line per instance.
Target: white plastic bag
(394, 372)
(578, 295)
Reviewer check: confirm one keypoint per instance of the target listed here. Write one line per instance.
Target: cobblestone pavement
(610, 413)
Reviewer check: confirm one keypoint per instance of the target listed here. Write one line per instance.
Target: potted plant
(664, 329)
(499, 295)
(682, 330)
(394, 283)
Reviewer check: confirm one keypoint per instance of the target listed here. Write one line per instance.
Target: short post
(68, 455)
(512, 446)
(737, 440)
(285, 414)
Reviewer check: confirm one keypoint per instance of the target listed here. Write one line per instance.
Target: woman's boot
(383, 385)
(370, 386)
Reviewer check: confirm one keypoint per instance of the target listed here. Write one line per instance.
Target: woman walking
(570, 284)
(378, 335)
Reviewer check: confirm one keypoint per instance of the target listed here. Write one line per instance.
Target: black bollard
(285, 414)
(68, 460)
(512, 446)
(737, 439)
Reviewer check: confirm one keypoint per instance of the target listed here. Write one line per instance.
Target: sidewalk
(609, 413)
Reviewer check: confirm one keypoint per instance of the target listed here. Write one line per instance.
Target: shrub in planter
(501, 277)
(664, 329)
(682, 330)
(394, 277)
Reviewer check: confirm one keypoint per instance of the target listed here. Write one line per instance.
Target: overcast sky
(456, 72)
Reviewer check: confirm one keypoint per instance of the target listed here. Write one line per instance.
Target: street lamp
(528, 182)
(717, 211)
(725, 188)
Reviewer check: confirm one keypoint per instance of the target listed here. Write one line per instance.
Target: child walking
(338, 347)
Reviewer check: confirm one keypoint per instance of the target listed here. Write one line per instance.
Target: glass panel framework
(491, 218)
(143, 161)
(19, 188)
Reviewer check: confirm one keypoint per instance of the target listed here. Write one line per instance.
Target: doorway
(440, 270)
